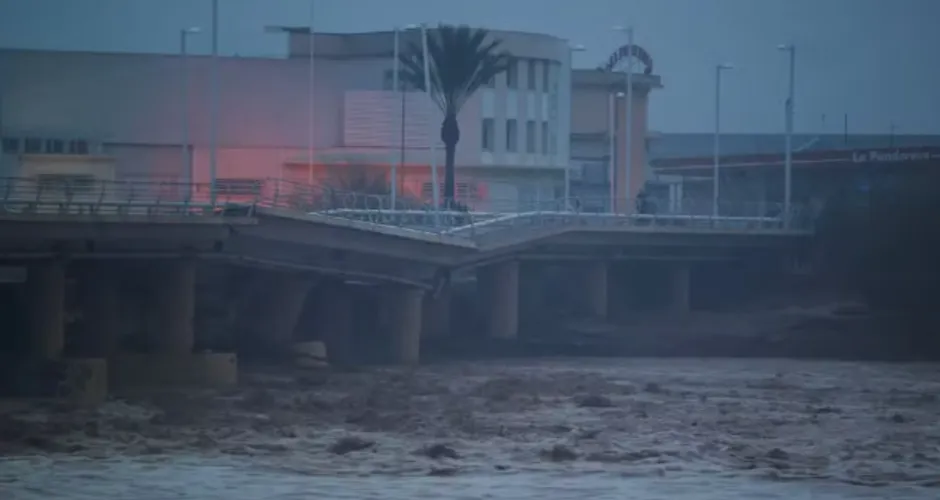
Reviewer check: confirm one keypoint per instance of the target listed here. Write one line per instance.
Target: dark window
(66, 183)
(33, 145)
(489, 134)
(78, 147)
(11, 145)
(530, 74)
(512, 135)
(55, 146)
(530, 136)
(512, 74)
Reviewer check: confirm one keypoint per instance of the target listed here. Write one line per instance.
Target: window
(544, 138)
(546, 71)
(55, 146)
(66, 183)
(78, 147)
(488, 134)
(511, 135)
(530, 74)
(530, 137)
(249, 187)
(512, 74)
(33, 145)
(11, 145)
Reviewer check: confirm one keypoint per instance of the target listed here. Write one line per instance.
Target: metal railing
(38, 196)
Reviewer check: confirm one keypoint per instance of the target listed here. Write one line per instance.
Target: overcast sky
(870, 59)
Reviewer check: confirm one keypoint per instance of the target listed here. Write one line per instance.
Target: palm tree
(462, 59)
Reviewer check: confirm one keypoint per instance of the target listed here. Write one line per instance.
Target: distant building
(122, 116)
(751, 168)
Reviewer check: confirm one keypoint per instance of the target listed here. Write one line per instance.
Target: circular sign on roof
(619, 58)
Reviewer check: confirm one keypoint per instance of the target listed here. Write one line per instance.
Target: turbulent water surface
(575, 428)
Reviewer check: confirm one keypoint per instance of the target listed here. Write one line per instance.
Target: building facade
(120, 116)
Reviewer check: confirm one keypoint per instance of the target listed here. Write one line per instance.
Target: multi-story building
(123, 116)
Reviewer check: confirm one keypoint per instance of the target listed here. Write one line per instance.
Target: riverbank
(831, 423)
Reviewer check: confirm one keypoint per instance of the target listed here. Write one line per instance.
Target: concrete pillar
(594, 289)
(403, 307)
(334, 320)
(680, 289)
(498, 289)
(436, 313)
(173, 306)
(45, 289)
(281, 299)
(101, 309)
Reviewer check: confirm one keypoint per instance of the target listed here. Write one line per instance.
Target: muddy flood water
(678, 429)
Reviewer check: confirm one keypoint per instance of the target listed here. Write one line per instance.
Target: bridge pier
(45, 291)
(594, 288)
(436, 313)
(402, 306)
(174, 306)
(281, 299)
(681, 288)
(333, 319)
(100, 289)
(498, 289)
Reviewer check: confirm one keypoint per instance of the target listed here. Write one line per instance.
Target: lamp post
(435, 188)
(788, 158)
(612, 147)
(214, 106)
(628, 125)
(717, 140)
(396, 164)
(311, 66)
(187, 163)
(571, 50)
(311, 75)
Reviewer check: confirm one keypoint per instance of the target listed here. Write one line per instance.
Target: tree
(462, 59)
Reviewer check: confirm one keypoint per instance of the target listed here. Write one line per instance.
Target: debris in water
(559, 453)
(350, 444)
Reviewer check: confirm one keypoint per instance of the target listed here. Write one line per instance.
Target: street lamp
(396, 88)
(184, 106)
(311, 67)
(628, 125)
(214, 105)
(571, 50)
(717, 141)
(612, 146)
(435, 188)
(788, 160)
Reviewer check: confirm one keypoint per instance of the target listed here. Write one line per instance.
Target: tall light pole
(628, 120)
(435, 188)
(571, 50)
(311, 58)
(396, 88)
(788, 159)
(184, 108)
(612, 147)
(311, 85)
(214, 106)
(717, 140)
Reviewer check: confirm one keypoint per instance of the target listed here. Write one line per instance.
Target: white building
(147, 116)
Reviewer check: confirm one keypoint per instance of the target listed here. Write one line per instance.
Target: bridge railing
(59, 195)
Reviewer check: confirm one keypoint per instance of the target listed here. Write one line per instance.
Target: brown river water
(693, 429)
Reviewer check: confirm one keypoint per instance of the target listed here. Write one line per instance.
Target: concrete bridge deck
(295, 238)
(339, 224)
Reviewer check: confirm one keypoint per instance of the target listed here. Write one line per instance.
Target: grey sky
(873, 59)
